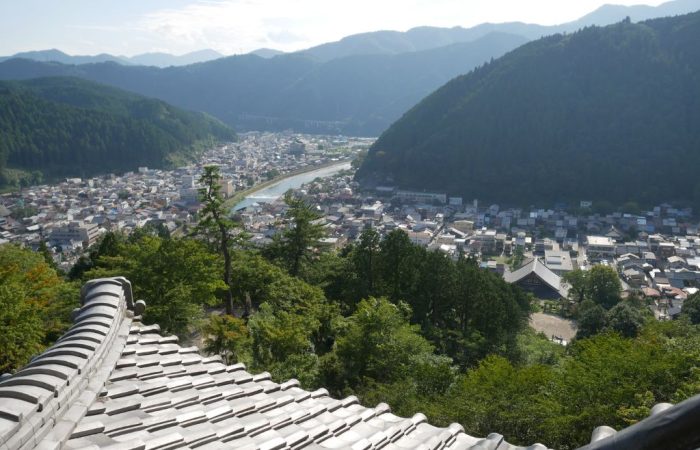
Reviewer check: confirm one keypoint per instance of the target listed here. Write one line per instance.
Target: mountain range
(145, 59)
(603, 114)
(358, 85)
(359, 94)
(426, 38)
(72, 127)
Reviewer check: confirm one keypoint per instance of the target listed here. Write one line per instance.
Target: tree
(110, 245)
(35, 305)
(46, 254)
(691, 308)
(379, 343)
(282, 344)
(600, 284)
(591, 319)
(576, 280)
(175, 309)
(603, 286)
(294, 247)
(214, 219)
(499, 396)
(364, 256)
(176, 277)
(625, 319)
(22, 328)
(226, 336)
(398, 265)
(517, 259)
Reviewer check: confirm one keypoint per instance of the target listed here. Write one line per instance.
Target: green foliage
(591, 319)
(536, 348)
(379, 343)
(517, 260)
(625, 319)
(22, 328)
(498, 396)
(294, 247)
(20, 212)
(364, 260)
(226, 336)
(176, 277)
(607, 379)
(465, 312)
(35, 305)
(691, 308)
(601, 285)
(282, 344)
(69, 127)
(567, 117)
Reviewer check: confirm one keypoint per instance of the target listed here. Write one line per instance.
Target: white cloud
(238, 26)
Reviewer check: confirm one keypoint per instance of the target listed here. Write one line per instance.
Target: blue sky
(128, 27)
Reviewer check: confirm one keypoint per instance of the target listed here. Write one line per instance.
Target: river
(274, 191)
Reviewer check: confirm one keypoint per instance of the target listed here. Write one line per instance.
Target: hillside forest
(599, 114)
(66, 127)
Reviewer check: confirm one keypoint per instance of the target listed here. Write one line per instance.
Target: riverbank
(241, 195)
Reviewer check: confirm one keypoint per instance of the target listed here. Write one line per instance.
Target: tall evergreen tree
(294, 247)
(214, 220)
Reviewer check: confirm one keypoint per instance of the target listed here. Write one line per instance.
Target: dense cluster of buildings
(656, 253)
(71, 215)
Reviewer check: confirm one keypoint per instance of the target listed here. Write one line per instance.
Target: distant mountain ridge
(359, 94)
(55, 55)
(603, 114)
(145, 59)
(167, 60)
(390, 42)
(426, 38)
(358, 85)
(73, 127)
(266, 52)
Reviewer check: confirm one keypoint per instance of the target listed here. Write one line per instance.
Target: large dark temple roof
(112, 382)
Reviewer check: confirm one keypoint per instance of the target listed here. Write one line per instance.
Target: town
(656, 253)
(70, 216)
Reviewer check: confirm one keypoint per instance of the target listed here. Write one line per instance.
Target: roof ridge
(49, 394)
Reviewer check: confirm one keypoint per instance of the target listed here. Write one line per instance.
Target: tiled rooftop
(113, 382)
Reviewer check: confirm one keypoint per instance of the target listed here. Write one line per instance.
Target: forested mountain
(354, 95)
(72, 127)
(606, 113)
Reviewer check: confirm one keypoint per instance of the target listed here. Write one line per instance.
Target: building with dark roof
(537, 278)
(111, 382)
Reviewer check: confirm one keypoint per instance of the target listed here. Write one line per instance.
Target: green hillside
(604, 114)
(71, 127)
